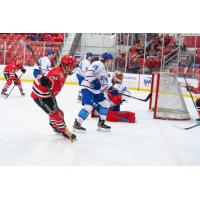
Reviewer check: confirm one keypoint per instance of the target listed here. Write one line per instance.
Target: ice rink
(27, 139)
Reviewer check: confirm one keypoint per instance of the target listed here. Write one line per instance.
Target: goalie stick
(187, 128)
(145, 100)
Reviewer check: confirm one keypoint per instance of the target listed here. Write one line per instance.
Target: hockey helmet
(89, 54)
(106, 56)
(67, 60)
(50, 52)
(118, 76)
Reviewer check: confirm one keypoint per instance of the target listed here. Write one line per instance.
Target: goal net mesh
(167, 100)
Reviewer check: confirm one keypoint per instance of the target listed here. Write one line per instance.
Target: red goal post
(167, 101)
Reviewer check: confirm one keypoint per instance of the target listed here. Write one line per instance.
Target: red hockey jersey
(57, 78)
(12, 68)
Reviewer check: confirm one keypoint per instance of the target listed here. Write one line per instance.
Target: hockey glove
(95, 84)
(189, 88)
(113, 91)
(45, 81)
(15, 82)
(23, 70)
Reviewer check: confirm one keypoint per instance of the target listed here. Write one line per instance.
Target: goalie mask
(117, 77)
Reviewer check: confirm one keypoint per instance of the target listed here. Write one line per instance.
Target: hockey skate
(198, 120)
(54, 129)
(78, 128)
(22, 93)
(4, 94)
(102, 126)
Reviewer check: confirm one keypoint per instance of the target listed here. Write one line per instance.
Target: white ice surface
(27, 139)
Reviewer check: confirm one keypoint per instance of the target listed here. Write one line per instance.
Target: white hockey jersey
(44, 64)
(83, 66)
(98, 71)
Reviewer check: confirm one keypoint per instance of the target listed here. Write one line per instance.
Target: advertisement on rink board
(132, 81)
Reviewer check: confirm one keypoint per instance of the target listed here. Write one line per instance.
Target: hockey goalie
(115, 95)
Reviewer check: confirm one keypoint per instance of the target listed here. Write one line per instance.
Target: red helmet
(67, 60)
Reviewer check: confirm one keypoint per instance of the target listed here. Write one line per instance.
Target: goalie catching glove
(23, 70)
(189, 88)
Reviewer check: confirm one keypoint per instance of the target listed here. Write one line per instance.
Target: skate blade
(103, 130)
(78, 131)
(5, 96)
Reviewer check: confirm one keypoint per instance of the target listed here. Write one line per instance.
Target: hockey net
(167, 101)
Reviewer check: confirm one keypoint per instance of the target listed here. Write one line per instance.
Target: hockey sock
(103, 113)
(58, 119)
(52, 122)
(84, 112)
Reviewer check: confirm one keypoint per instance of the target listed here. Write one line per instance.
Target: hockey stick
(187, 85)
(145, 100)
(72, 137)
(12, 87)
(187, 128)
(23, 43)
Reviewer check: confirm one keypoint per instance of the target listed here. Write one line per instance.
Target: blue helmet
(106, 56)
(89, 54)
(50, 52)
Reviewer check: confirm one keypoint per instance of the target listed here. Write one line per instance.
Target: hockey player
(82, 68)
(196, 90)
(94, 85)
(115, 95)
(46, 87)
(44, 64)
(11, 76)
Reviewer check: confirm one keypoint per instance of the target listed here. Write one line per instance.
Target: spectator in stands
(29, 37)
(134, 65)
(182, 43)
(152, 52)
(189, 63)
(37, 37)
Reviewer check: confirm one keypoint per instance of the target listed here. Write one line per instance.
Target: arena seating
(184, 62)
(136, 53)
(190, 71)
(47, 41)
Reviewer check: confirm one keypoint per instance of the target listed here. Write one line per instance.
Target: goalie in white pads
(94, 85)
